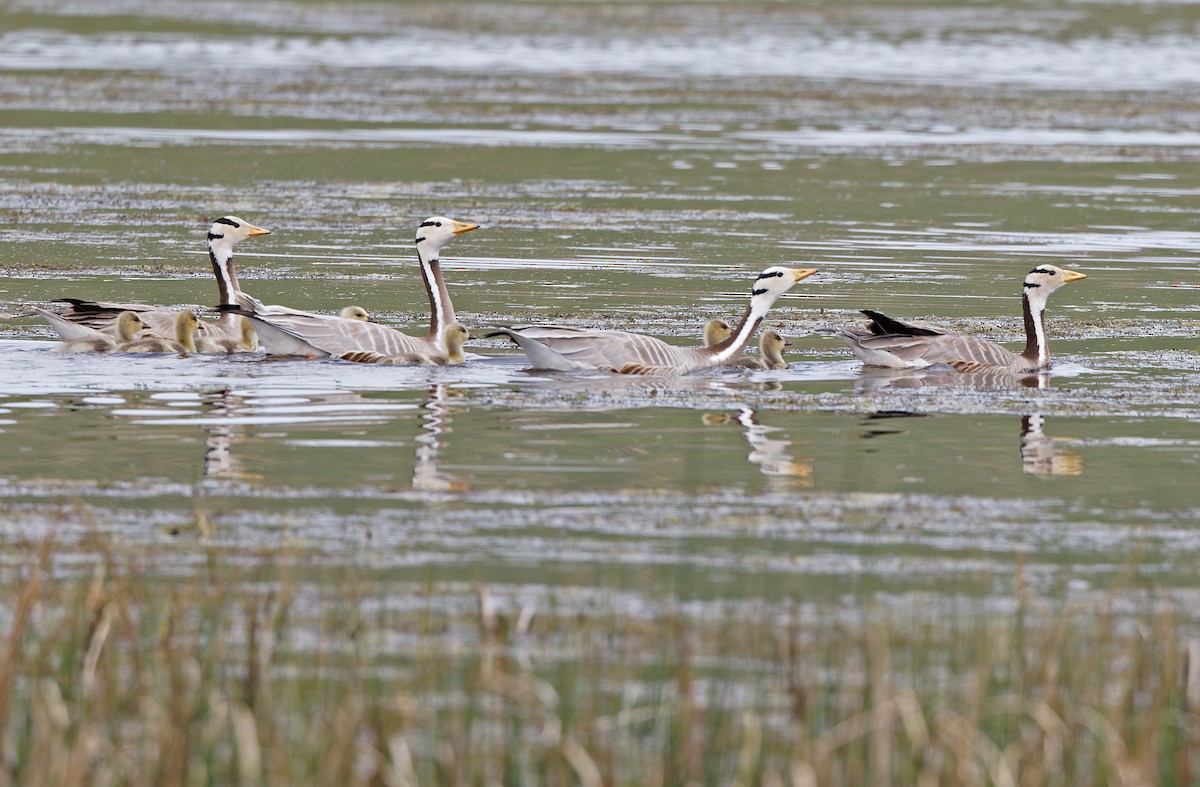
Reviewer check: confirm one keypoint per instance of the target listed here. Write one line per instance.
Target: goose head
(437, 231)
(1045, 279)
(772, 283)
(228, 230)
(186, 324)
(716, 331)
(455, 335)
(355, 313)
(771, 345)
(128, 325)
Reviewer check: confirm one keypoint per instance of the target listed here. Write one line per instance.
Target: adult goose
(223, 235)
(454, 336)
(78, 338)
(564, 349)
(770, 345)
(284, 331)
(900, 345)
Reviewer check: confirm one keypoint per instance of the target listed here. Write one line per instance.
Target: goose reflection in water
(770, 454)
(436, 422)
(1046, 456)
(219, 461)
(1040, 455)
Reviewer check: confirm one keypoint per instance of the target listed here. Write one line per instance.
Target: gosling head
(128, 326)
(771, 345)
(455, 335)
(716, 331)
(435, 232)
(186, 324)
(355, 313)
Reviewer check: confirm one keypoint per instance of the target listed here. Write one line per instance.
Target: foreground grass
(272, 672)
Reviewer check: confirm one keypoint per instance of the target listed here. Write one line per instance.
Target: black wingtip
(882, 325)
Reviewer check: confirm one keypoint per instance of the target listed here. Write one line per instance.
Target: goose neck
(1037, 350)
(441, 310)
(733, 346)
(221, 256)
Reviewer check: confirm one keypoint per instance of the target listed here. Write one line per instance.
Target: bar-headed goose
(284, 331)
(78, 338)
(901, 345)
(184, 329)
(565, 349)
(771, 345)
(224, 233)
(454, 336)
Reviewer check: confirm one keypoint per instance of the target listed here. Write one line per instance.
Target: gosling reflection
(435, 423)
(770, 454)
(1046, 456)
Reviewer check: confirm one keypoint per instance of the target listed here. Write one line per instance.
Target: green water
(627, 171)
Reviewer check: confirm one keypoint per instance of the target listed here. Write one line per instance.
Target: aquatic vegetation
(274, 670)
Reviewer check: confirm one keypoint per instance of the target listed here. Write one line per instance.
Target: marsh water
(631, 165)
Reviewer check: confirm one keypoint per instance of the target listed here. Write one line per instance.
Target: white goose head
(435, 232)
(1045, 279)
(772, 283)
(228, 230)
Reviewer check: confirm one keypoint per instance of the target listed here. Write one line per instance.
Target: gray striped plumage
(564, 349)
(896, 344)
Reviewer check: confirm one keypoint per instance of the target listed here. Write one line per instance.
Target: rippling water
(631, 166)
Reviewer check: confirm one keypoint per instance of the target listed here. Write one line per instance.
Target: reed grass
(265, 671)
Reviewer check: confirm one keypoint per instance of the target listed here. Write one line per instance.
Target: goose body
(771, 345)
(564, 349)
(900, 345)
(78, 338)
(284, 331)
(454, 336)
(184, 328)
(224, 233)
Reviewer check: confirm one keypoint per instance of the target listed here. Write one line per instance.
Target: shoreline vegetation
(241, 671)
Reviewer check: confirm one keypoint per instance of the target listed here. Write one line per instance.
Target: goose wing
(102, 316)
(882, 325)
(562, 348)
(287, 331)
(74, 334)
(952, 349)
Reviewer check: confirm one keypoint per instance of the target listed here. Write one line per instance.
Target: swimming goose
(716, 331)
(901, 345)
(771, 345)
(454, 336)
(184, 325)
(224, 233)
(564, 349)
(284, 331)
(85, 339)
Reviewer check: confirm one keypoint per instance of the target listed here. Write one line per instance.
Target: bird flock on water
(246, 324)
